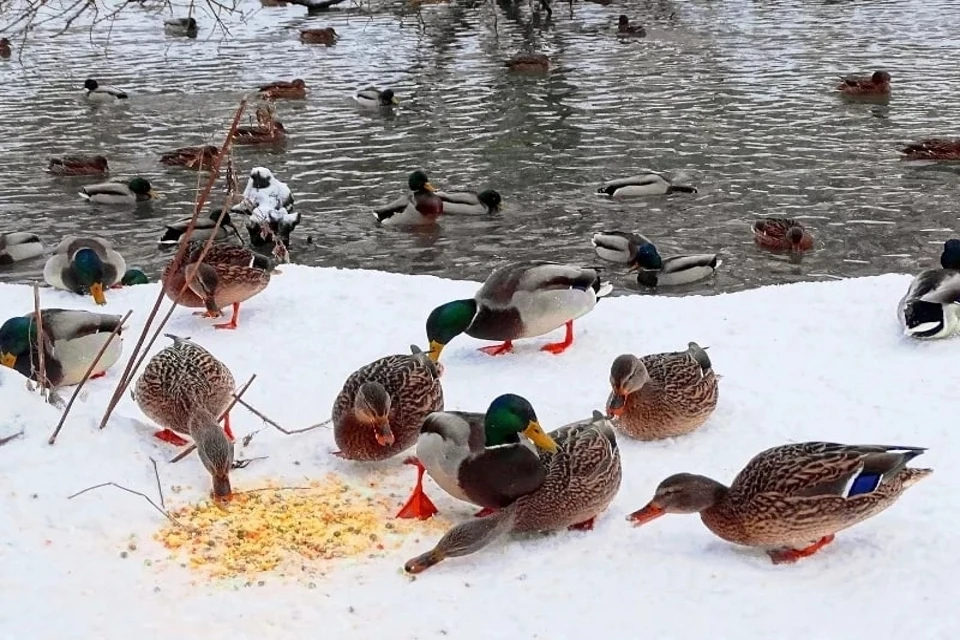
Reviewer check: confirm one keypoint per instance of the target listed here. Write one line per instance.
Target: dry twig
(156, 474)
(7, 439)
(41, 371)
(277, 426)
(136, 493)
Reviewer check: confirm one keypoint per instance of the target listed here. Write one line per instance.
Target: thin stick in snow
(277, 426)
(7, 439)
(236, 398)
(136, 493)
(156, 474)
(41, 355)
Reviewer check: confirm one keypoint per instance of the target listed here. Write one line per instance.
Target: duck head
(133, 276)
(794, 236)
(950, 258)
(680, 493)
(646, 257)
(142, 188)
(16, 336)
(627, 375)
(89, 269)
(510, 416)
(418, 181)
(448, 321)
(387, 98)
(371, 406)
(204, 284)
(491, 199)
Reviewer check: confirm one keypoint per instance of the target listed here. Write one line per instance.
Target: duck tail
(602, 288)
(680, 188)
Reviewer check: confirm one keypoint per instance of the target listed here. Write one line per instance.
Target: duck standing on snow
(782, 234)
(422, 207)
(132, 192)
(488, 459)
(663, 395)
(646, 184)
(85, 265)
(227, 276)
(931, 307)
(581, 480)
(791, 500)
(181, 27)
(72, 340)
(640, 254)
(519, 300)
(19, 245)
(269, 204)
(381, 406)
(373, 98)
(202, 230)
(184, 389)
(78, 166)
(96, 92)
(469, 203)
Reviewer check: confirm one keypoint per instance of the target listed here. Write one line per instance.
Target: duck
(680, 270)
(624, 28)
(662, 395)
(130, 192)
(877, 84)
(294, 90)
(380, 408)
(181, 27)
(78, 166)
(422, 207)
(96, 92)
(782, 234)
(202, 230)
(640, 254)
(227, 276)
(184, 389)
(19, 245)
(488, 459)
(72, 340)
(470, 203)
(582, 477)
(932, 149)
(528, 63)
(519, 300)
(373, 98)
(132, 277)
(85, 265)
(273, 133)
(626, 248)
(931, 307)
(791, 500)
(645, 184)
(202, 157)
(5, 49)
(326, 35)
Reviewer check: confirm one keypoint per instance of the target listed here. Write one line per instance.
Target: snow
(798, 362)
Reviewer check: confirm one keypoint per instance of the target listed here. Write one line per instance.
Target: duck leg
(94, 376)
(226, 427)
(586, 525)
(783, 556)
(499, 349)
(233, 320)
(464, 539)
(169, 436)
(560, 347)
(484, 512)
(418, 505)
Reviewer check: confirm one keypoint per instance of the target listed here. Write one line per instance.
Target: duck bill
(435, 349)
(8, 360)
(96, 290)
(153, 194)
(210, 304)
(394, 100)
(540, 437)
(616, 404)
(429, 187)
(645, 515)
(381, 431)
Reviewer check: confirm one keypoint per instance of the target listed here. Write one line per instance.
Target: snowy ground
(799, 362)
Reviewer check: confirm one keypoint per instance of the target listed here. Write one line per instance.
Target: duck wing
(533, 276)
(68, 324)
(940, 286)
(500, 475)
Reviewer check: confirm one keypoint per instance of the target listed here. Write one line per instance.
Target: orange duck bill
(645, 515)
(616, 403)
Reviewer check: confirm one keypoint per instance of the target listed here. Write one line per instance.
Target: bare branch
(136, 493)
(7, 439)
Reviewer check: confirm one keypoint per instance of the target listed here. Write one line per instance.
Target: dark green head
(142, 188)
(418, 181)
(134, 276)
(448, 321)
(950, 258)
(490, 198)
(16, 336)
(511, 416)
(647, 257)
(88, 268)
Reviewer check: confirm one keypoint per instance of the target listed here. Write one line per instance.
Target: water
(736, 94)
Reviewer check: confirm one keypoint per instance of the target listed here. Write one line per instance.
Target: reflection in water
(736, 95)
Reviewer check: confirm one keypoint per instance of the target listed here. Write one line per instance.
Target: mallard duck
(191, 157)
(663, 395)
(623, 247)
(582, 478)
(294, 90)
(78, 166)
(792, 499)
(5, 49)
(373, 98)
(519, 300)
(624, 28)
(378, 412)
(641, 255)
(133, 277)
(202, 230)
(528, 63)
(469, 202)
(680, 270)
(877, 84)
(227, 276)
(421, 207)
(85, 265)
(181, 27)
(326, 36)
(96, 92)
(184, 389)
(931, 307)
(645, 184)
(487, 459)
(782, 234)
(72, 340)
(19, 245)
(131, 192)
(261, 134)
(932, 149)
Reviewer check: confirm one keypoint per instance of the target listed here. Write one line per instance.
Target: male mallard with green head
(421, 207)
(645, 184)
(581, 479)
(487, 459)
(469, 203)
(202, 230)
(519, 300)
(791, 500)
(130, 192)
(930, 308)
(641, 255)
(84, 265)
(373, 98)
(72, 340)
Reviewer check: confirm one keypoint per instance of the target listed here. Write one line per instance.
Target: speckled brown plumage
(678, 398)
(413, 383)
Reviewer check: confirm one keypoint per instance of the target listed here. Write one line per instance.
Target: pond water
(738, 95)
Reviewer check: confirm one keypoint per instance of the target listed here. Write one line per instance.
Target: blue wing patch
(864, 483)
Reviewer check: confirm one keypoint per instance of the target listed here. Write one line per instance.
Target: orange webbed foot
(499, 349)
(557, 348)
(484, 512)
(418, 505)
(95, 376)
(787, 556)
(169, 436)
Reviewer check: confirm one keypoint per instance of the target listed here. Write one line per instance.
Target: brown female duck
(326, 36)
(528, 63)
(191, 157)
(78, 166)
(877, 84)
(782, 234)
(294, 90)
(932, 149)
